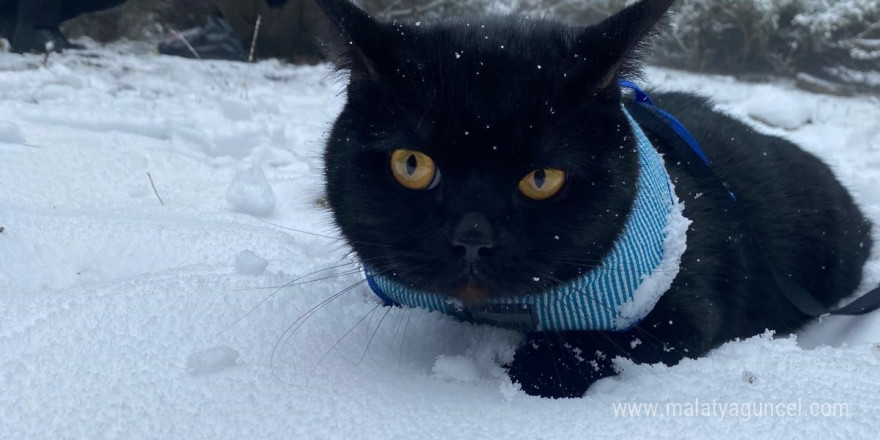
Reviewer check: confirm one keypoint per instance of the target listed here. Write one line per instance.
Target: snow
(126, 318)
(10, 133)
(212, 360)
(250, 192)
(456, 368)
(247, 262)
(766, 109)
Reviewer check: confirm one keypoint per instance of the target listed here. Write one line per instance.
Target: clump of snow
(456, 368)
(510, 391)
(658, 282)
(236, 109)
(237, 144)
(248, 263)
(250, 192)
(212, 360)
(10, 133)
(779, 111)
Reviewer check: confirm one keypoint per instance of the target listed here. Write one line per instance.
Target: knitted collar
(615, 296)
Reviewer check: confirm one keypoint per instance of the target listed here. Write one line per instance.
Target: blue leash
(645, 101)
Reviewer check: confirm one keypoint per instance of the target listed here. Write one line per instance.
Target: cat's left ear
(610, 47)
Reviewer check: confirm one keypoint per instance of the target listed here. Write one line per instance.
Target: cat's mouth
(475, 289)
(472, 293)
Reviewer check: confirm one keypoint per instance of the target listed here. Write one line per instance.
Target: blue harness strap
(614, 296)
(374, 286)
(643, 99)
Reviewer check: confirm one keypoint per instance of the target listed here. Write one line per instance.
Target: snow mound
(212, 360)
(248, 263)
(250, 193)
(10, 133)
(456, 368)
(777, 111)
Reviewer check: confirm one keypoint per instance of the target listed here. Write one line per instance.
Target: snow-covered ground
(125, 317)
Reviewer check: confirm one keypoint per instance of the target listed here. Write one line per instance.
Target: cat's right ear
(611, 47)
(353, 40)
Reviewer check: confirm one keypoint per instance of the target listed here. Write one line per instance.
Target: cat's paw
(553, 368)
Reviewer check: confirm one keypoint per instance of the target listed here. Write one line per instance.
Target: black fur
(493, 99)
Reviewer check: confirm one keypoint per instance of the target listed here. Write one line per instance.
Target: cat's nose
(473, 236)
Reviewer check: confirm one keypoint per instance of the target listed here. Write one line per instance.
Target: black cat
(492, 158)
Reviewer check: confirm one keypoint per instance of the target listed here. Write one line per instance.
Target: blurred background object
(275, 29)
(140, 20)
(824, 45)
(830, 46)
(34, 25)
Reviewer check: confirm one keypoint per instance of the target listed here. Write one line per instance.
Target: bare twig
(254, 39)
(251, 55)
(50, 47)
(866, 32)
(186, 43)
(154, 188)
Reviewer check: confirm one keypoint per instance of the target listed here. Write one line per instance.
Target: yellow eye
(542, 184)
(414, 170)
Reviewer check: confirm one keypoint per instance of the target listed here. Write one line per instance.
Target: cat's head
(485, 157)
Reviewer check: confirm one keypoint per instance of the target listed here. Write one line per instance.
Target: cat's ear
(610, 48)
(353, 40)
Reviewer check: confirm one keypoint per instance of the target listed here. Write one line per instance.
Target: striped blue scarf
(615, 296)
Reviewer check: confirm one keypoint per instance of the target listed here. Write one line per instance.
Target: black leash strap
(808, 305)
(652, 120)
